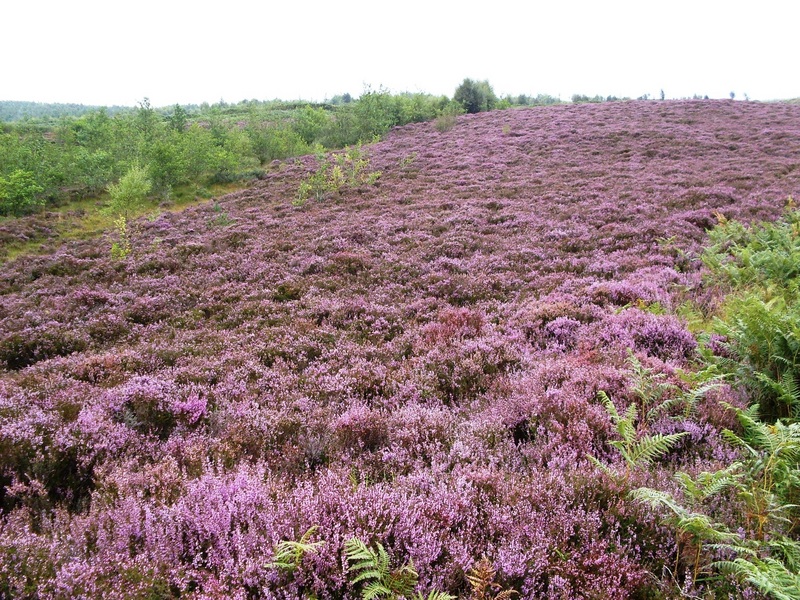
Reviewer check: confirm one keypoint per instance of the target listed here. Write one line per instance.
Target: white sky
(109, 52)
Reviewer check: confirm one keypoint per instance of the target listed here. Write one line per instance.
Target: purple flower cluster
(415, 363)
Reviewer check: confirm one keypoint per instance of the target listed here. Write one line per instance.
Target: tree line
(46, 161)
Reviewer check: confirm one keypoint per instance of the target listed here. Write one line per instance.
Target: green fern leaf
(372, 568)
(289, 554)
(434, 595)
(651, 447)
(376, 590)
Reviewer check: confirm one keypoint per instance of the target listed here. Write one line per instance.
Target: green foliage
(122, 247)
(759, 268)
(693, 529)
(13, 110)
(191, 147)
(434, 595)
(376, 112)
(276, 142)
(289, 553)
(345, 98)
(334, 172)
(658, 397)
(771, 568)
(93, 169)
(372, 568)
(650, 388)
(475, 96)
(764, 337)
(309, 123)
(231, 156)
(368, 567)
(447, 119)
(637, 449)
(707, 485)
(583, 98)
(765, 256)
(86, 151)
(19, 193)
(179, 118)
(130, 192)
(166, 165)
(538, 100)
(761, 265)
(221, 219)
(197, 148)
(771, 490)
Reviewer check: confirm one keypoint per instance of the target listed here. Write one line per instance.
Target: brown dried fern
(481, 578)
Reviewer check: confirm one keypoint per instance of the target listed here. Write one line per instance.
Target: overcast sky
(107, 52)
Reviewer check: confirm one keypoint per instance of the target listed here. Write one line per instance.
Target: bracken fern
(637, 450)
(481, 579)
(289, 553)
(371, 566)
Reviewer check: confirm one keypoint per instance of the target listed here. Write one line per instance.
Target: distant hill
(13, 110)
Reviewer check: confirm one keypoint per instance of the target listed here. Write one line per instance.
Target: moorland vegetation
(549, 352)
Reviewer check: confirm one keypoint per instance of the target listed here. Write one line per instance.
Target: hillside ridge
(414, 362)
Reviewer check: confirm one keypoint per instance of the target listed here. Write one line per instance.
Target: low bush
(19, 193)
(475, 96)
(334, 172)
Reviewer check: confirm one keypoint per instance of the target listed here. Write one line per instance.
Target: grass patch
(84, 219)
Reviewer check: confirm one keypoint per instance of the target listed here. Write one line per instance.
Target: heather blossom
(414, 362)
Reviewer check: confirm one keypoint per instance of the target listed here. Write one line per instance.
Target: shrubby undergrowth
(760, 545)
(44, 163)
(419, 366)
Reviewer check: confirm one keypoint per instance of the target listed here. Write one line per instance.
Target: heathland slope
(415, 362)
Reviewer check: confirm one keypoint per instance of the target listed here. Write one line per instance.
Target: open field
(414, 362)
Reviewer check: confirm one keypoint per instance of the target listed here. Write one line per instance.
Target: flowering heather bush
(414, 362)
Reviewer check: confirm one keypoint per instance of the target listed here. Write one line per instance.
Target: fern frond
(657, 499)
(769, 576)
(600, 465)
(289, 553)
(369, 564)
(609, 405)
(698, 525)
(368, 573)
(650, 447)
(694, 395)
(372, 567)
(434, 595)
(706, 484)
(375, 590)
(481, 579)
(355, 549)
(784, 389)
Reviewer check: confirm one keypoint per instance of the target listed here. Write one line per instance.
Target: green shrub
(92, 169)
(19, 193)
(447, 119)
(309, 123)
(122, 247)
(757, 266)
(760, 266)
(765, 256)
(347, 169)
(166, 165)
(130, 192)
(376, 112)
(276, 142)
(475, 96)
